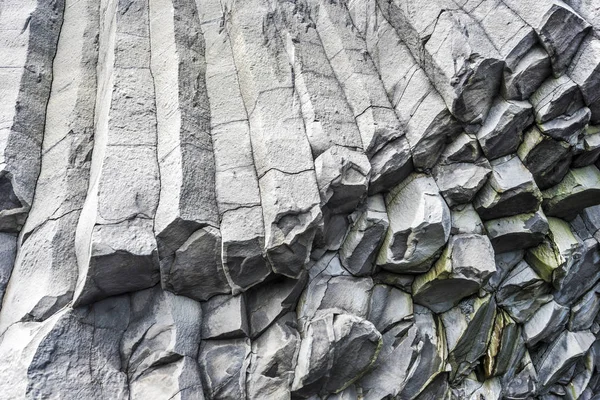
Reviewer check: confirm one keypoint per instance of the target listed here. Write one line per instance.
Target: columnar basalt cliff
(299, 199)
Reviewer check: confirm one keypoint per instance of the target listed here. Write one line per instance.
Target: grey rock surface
(300, 199)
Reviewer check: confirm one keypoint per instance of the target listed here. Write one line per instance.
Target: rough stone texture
(288, 199)
(419, 226)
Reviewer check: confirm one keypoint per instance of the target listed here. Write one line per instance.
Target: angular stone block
(224, 364)
(196, 270)
(468, 330)
(224, 317)
(559, 28)
(460, 182)
(517, 232)
(547, 159)
(419, 226)
(527, 75)
(510, 190)
(579, 189)
(502, 131)
(360, 248)
(462, 269)
(336, 350)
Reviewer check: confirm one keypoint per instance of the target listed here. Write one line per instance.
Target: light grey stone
(417, 103)
(115, 238)
(45, 272)
(584, 370)
(559, 28)
(505, 349)
(331, 233)
(460, 182)
(389, 306)
(179, 380)
(505, 262)
(510, 190)
(335, 294)
(47, 258)
(463, 149)
(584, 70)
(242, 246)
(162, 329)
(282, 153)
(547, 159)
(336, 350)
(31, 32)
(426, 29)
(588, 148)
(402, 282)
(585, 311)
(525, 381)
(292, 207)
(356, 72)
(502, 131)
(512, 36)
(87, 340)
(555, 256)
(466, 220)
(522, 80)
(411, 357)
(567, 127)
(517, 232)
(276, 350)
(266, 303)
(561, 355)
(225, 317)
(8, 252)
(578, 190)
(360, 247)
(468, 329)
(328, 117)
(196, 269)
(419, 226)
(331, 200)
(582, 275)
(342, 177)
(555, 97)
(438, 388)
(546, 323)
(123, 258)
(471, 388)
(462, 269)
(223, 367)
(184, 146)
(523, 292)
(390, 166)
(236, 181)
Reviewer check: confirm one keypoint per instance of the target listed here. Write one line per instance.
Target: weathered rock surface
(510, 190)
(461, 270)
(286, 199)
(419, 226)
(336, 350)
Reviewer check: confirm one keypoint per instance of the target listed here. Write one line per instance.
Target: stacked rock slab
(300, 199)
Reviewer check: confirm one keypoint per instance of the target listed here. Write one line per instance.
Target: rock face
(300, 199)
